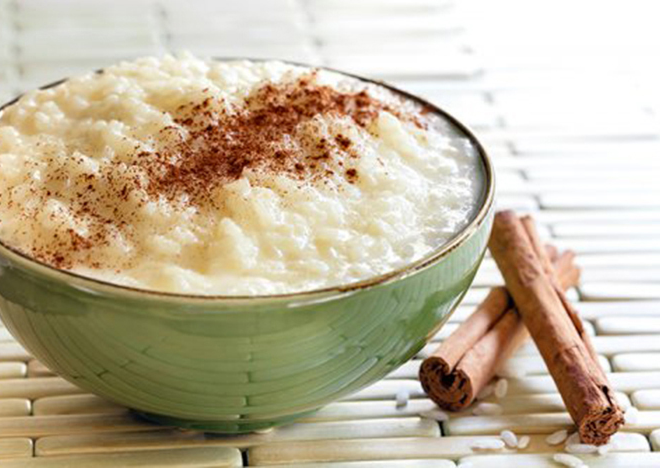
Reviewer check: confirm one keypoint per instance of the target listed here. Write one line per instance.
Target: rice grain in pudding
(229, 178)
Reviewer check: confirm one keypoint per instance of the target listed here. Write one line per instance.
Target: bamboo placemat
(573, 133)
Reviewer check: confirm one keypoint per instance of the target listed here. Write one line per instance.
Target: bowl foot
(229, 426)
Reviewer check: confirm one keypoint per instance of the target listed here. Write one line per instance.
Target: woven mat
(570, 120)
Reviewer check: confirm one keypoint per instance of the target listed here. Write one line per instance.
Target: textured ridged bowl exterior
(230, 365)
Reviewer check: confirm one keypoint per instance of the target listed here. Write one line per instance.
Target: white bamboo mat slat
(571, 121)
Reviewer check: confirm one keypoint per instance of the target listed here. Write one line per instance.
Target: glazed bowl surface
(239, 364)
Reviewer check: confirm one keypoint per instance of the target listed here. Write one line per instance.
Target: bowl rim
(94, 285)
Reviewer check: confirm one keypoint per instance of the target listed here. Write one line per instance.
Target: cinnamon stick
(535, 240)
(555, 327)
(466, 361)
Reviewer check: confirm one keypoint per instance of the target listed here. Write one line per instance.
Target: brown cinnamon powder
(210, 146)
(217, 146)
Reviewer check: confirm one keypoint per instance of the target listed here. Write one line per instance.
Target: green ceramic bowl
(238, 364)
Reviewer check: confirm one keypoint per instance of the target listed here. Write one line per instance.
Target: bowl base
(231, 426)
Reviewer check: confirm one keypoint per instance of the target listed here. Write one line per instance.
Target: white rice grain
(264, 431)
(501, 388)
(487, 409)
(581, 448)
(402, 398)
(487, 444)
(523, 442)
(509, 438)
(557, 438)
(631, 415)
(573, 439)
(568, 460)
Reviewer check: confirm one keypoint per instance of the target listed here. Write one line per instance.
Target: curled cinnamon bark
(556, 328)
(466, 361)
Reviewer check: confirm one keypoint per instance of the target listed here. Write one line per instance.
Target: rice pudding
(230, 178)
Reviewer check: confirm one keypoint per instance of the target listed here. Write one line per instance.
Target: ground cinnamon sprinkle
(210, 146)
(218, 146)
(352, 175)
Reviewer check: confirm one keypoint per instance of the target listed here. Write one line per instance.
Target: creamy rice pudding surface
(229, 178)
